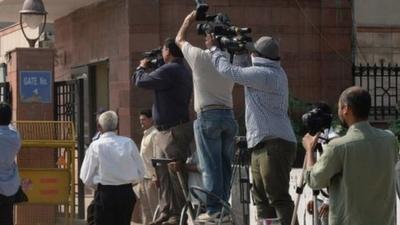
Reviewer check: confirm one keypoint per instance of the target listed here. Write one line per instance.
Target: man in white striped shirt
(270, 134)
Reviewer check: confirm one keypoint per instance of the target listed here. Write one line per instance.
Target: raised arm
(319, 173)
(254, 77)
(181, 36)
(156, 80)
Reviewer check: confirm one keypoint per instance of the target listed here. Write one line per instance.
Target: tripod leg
(245, 193)
(186, 194)
(315, 210)
(299, 191)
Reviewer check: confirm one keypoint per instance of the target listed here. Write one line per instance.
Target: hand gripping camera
(317, 119)
(155, 58)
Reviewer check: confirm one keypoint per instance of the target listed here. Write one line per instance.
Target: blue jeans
(214, 132)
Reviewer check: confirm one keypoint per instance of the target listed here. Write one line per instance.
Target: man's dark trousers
(6, 210)
(113, 205)
(90, 213)
(270, 166)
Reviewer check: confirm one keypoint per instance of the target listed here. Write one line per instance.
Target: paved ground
(88, 199)
(82, 222)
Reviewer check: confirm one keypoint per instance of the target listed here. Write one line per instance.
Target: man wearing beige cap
(270, 135)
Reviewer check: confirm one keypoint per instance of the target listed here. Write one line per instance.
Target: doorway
(93, 82)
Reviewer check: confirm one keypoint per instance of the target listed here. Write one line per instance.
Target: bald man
(358, 168)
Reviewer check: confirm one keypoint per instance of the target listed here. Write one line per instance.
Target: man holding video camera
(358, 168)
(215, 126)
(172, 85)
(270, 135)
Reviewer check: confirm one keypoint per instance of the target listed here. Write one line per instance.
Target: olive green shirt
(358, 168)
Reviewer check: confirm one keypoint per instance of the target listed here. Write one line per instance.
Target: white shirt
(209, 87)
(111, 160)
(147, 151)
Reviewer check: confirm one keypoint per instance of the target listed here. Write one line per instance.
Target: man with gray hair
(112, 163)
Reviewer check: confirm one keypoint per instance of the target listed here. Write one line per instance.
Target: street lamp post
(32, 15)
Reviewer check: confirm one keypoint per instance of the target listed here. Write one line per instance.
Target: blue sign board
(35, 86)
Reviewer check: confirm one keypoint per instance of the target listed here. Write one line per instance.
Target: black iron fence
(5, 95)
(68, 106)
(383, 83)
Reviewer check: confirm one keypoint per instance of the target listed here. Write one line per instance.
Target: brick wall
(318, 68)
(92, 34)
(23, 59)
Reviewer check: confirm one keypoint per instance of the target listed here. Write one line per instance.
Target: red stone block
(310, 43)
(336, 4)
(145, 42)
(336, 17)
(144, 14)
(336, 43)
(289, 43)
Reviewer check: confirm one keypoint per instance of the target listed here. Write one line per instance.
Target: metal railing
(68, 106)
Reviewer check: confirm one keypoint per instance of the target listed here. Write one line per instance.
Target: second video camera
(317, 120)
(155, 58)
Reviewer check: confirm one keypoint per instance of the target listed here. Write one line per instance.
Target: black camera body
(201, 10)
(241, 142)
(229, 37)
(316, 120)
(155, 58)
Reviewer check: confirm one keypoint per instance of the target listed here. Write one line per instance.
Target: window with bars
(383, 83)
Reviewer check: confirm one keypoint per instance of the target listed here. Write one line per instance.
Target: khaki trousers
(270, 167)
(148, 195)
(172, 144)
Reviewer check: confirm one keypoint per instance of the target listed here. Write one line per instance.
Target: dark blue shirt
(172, 84)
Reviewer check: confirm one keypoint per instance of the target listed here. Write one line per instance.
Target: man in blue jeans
(215, 126)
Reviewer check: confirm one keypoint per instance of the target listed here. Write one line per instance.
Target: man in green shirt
(358, 168)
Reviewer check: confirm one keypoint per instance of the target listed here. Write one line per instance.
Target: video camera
(201, 10)
(317, 119)
(229, 37)
(155, 58)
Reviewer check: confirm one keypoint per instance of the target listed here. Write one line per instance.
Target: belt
(111, 187)
(164, 127)
(263, 143)
(213, 107)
